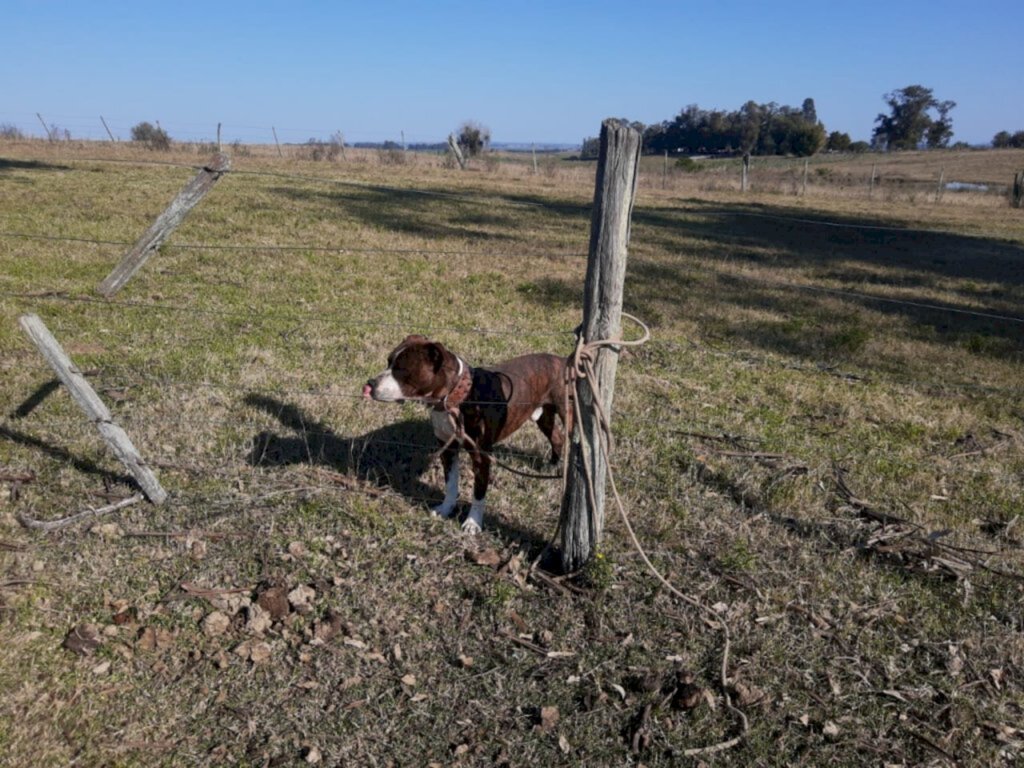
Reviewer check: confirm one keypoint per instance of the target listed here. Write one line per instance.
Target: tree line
(916, 119)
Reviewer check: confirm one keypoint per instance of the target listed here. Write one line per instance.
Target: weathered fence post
(453, 145)
(165, 223)
(803, 188)
(49, 136)
(664, 172)
(746, 171)
(1017, 193)
(582, 517)
(533, 150)
(94, 408)
(108, 129)
(871, 183)
(278, 143)
(942, 183)
(218, 137)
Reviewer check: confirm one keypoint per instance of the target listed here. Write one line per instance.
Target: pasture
(824, 439)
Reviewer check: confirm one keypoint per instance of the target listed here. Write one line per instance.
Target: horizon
(539, 75)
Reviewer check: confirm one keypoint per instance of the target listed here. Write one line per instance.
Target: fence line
(676, 342)
(279, 248)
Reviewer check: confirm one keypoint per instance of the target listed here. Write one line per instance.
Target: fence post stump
(95, 409)
(1017, 193)
(165, 224)
(582, 517)
(453, 145)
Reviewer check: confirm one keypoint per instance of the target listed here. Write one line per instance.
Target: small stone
(313, 756)
(259, 621)
(107, 531)
(465, 661)
(297, 549)
(216, 623)
(301, 598)
(102, 668)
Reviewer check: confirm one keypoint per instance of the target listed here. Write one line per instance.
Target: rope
(581, 367)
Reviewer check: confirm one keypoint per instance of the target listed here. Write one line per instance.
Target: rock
(259, 621)
(107, 531)
(215, 624)
(301, 598)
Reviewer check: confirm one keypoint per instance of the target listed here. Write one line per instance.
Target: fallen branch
(64, 522)
(17, 477)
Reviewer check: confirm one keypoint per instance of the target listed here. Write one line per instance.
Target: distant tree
(473, 138)
(153, 137)
(1001, 140)
(760, 129)
(810, 114)
(591, 148)
(909, 123)
(941, 130)
(1006, 140)
(860, 147)
(838, 142)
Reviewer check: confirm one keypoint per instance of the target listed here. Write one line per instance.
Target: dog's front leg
(450, 463)
(474, 522)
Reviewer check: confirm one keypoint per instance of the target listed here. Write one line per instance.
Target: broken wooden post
(94, 408)
(453, 145)
(582, 517)
(111, 135)
(165, 224)
(1017, 192)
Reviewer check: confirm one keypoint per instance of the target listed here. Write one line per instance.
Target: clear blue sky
(531, 71)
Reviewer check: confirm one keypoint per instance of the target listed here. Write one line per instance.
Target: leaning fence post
(453, 145)
(582, 518)
(165, 223)
(87, 399)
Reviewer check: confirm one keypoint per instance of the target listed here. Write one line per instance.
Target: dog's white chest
(442, 423)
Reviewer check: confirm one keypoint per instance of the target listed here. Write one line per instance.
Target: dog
(476, 408)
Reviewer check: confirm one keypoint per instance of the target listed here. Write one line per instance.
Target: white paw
(471, 526)
(442, 510)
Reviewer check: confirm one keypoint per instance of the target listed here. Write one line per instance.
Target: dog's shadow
(396, 457)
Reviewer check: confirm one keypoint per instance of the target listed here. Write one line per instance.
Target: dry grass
(824, 439)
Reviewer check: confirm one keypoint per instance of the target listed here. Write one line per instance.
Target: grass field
(824, 439)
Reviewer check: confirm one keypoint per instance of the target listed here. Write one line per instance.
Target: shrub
(687, 164)
(152, 136)
(473, 138)
(860, 147)
(9, 131)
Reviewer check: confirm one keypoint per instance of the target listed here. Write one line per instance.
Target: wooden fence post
(1017, 192)
(108, 129)
(278, 143)
(165, 223)
(582, 517)
(942, 182)
(49, 136)
(533, 150)
(803, 188)
(871, 183)
(87, 399)
(664, 172)
(453, 145)
(218, 137)
(746, 171)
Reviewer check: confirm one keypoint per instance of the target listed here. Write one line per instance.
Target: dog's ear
(435, 354)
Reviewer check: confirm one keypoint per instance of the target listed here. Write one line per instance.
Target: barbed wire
(285, 247)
